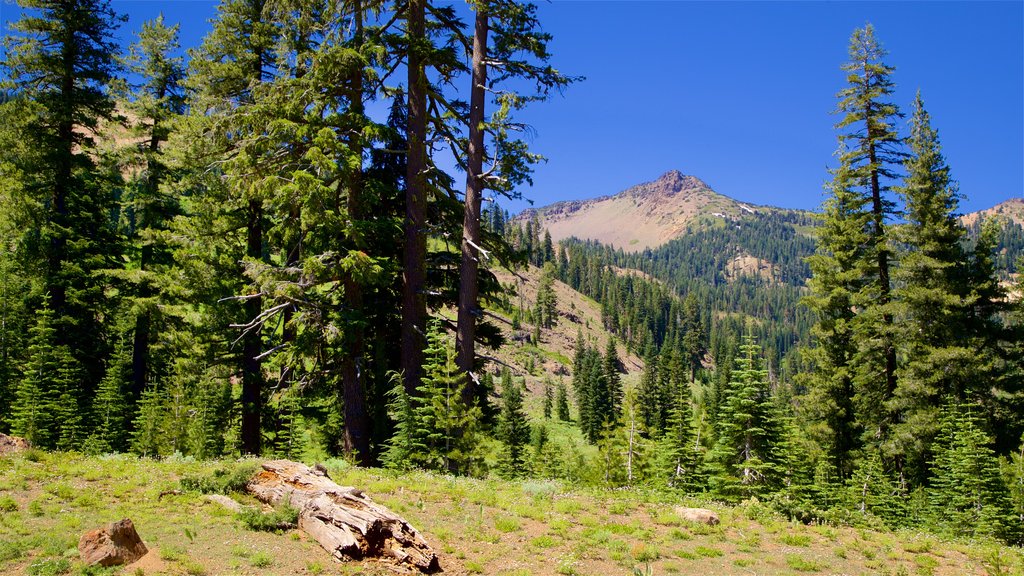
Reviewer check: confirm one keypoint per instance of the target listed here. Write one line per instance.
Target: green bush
(283, 518)
(222, 480)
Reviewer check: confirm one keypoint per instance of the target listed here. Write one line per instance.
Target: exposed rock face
(344, 520)
(113, 545)
(12, 444)
(701, 515)
(644, 216)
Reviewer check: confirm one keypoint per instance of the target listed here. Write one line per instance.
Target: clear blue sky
(740, 94)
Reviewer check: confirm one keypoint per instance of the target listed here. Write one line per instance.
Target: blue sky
(740, 94)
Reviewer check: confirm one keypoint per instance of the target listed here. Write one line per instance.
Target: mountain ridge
(643, 216)
(651, 214)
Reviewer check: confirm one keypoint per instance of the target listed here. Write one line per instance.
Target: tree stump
(342, 519)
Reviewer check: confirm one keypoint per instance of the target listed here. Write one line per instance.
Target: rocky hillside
(644, 216)
(1012, 210)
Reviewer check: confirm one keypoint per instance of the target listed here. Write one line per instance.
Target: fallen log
(344, 520)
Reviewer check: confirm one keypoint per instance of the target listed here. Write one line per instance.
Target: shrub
(282, 518)
(221, 480)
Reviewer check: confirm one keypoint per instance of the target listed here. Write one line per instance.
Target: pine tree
(830, 408)
(680, 463)
(112, 405)
(967, 496)
(62, 56)
(649, 395)
(562, 401)
(873, 153)
(147, 433)
(871, 490)
(549, 397)
(434, 429)
(403, 443)
(41, 395)
(613, 381)
(149, 205)
(930, 301)
(745, 459)
(513, 431)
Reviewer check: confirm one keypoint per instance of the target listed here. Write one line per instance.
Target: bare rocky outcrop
(13, 444)
(344, 520)
(699, 515)
(113, 545)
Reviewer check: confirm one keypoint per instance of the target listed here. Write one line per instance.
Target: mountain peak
(643, 216)
(668, 184)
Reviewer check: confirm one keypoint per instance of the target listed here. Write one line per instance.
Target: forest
(222, 250)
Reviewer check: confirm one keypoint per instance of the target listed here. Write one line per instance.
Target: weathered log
(699, 515)
(344, 520)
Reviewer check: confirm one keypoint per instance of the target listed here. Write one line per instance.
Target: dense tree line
(217, 255)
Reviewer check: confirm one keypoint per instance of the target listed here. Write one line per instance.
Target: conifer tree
(513, 431)
(649, 395)
(226, 73)
(562, 401)
(62, 56)
(680, 464)
(403, 443)
(612, 381)
(830, 408)
(36, 410)
(873, 153)
(930, 301)
(112, 408)
(434, 429)
(966, 495)
(147, 433)
(871, 490)
(745, 459)
(549, 397)
(149, 205)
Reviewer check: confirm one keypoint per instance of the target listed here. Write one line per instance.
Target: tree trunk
(252, 343)
(414, 272)
(356, 441)
(884, 287)
(468, 288)
(344, 520)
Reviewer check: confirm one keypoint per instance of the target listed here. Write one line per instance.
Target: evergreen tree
(612, 382)
(562, 401)
(112, 407)
(434, 429)
(871, 490)
(745, 459)
(62, 56)
(873, 153)
(546, 310)
(830, 408)
(147, 433)
(37, 406)
(930, 301)
(149, 205)
(680, 463)
(967, 496)
(549, 397)
(649, 395)
(513, 431)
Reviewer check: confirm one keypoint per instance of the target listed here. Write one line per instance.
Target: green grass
(482, 526)
(801, 564)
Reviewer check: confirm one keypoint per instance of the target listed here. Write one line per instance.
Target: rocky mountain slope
(645, 216)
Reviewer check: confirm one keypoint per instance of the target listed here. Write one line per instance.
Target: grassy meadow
(47, 500)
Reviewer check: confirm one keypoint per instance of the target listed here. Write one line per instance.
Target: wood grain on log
(342, 519)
